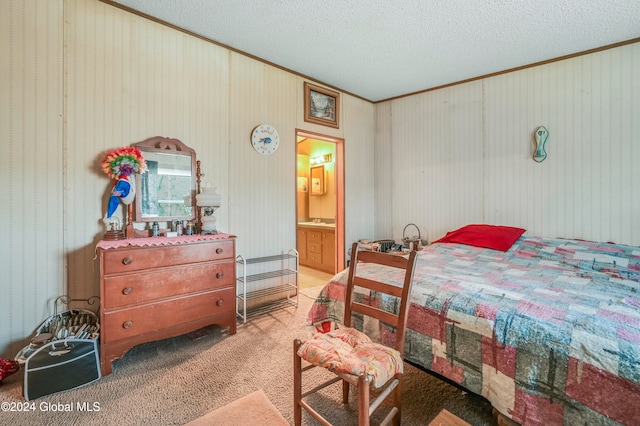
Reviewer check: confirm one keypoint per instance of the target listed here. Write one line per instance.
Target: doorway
(320, 201)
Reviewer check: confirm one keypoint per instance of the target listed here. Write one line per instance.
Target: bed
(547, 330)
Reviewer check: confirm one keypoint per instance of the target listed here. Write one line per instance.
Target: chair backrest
(397, 320)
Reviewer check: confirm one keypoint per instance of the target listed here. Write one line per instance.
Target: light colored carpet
(177, 380)
(254, 409)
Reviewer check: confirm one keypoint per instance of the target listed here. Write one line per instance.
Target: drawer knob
(126, 291)
(220, 275)
(218, 250)
(127, 261)
(219, 302)
(127, 324)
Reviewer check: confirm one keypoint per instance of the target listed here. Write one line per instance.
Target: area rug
(254, 409)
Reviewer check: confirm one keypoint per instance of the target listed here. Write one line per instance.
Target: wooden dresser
(155, 288)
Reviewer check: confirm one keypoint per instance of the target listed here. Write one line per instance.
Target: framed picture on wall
(303, 184)
(321, 106)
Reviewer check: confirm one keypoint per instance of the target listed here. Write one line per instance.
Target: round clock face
(265, 139)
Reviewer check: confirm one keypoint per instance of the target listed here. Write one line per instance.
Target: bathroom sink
(332, 225)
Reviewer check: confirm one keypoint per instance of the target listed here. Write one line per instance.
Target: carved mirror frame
(171, 146)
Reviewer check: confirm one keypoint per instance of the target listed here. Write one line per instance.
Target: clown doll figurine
(124, 190)
(121, 164)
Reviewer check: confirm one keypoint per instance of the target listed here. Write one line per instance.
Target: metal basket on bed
(413, 243)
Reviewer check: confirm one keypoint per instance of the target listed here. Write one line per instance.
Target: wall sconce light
(321, 159)
(540, 137)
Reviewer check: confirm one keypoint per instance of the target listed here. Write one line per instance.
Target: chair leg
(363, 400)
(297, 384)
(397, 401)
(345, 392)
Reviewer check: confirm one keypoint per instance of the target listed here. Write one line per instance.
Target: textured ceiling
(379, 49)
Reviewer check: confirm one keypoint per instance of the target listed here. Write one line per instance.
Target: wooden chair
(325, 346)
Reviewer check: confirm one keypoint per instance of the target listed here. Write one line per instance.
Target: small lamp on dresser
(208, 200)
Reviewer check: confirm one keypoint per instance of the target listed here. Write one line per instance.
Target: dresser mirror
(166, 192)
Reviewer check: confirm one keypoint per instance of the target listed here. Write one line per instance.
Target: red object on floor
(7, 368)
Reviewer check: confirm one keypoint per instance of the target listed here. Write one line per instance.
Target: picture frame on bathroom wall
(317, 180)
(303, 184)
(321, 106)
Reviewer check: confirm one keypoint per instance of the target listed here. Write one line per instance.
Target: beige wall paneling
(436, 160)
(584, 189)
(94, 118)
(466, 151)
(32, 164)
(384, 178)
(358, 118)
(127, 79)
(262, 188)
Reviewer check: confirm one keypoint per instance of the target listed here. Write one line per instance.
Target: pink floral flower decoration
(123, 162)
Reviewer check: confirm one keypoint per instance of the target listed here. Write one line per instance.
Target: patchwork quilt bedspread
(548, 332)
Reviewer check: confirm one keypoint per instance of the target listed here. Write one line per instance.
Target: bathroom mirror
(317, 180)
(166, 192)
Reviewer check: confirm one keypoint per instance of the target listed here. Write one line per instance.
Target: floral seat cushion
(349, 351)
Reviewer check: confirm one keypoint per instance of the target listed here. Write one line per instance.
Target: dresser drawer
(314, 259)
(139, 258)
(124, 323)
(122, 290)
(314, 237)
(315, 248)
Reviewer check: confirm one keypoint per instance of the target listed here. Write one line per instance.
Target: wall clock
(265, 139)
